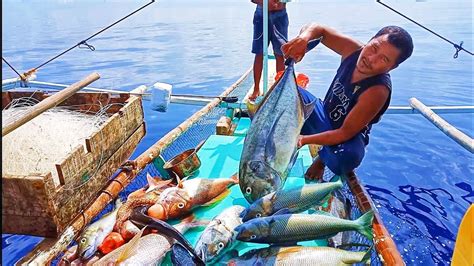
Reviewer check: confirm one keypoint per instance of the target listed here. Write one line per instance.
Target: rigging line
(4, 60)
(92, 36)
(458, 47)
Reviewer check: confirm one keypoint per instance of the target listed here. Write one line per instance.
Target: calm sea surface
(421, 181)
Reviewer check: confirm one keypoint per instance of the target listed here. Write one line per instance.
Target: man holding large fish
(357, 98)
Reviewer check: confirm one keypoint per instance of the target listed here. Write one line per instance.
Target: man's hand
(300, 142)
(295, 49)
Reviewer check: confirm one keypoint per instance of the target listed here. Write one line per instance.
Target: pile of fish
(136, 232)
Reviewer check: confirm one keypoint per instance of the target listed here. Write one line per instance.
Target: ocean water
(420, 180)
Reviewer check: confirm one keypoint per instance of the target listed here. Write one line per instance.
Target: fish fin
(365, 224)
(131, 247)
(217, 199)
(282, 211)
(308, 109)
(294, 156)
(367, 256)
(235, 178)
(153, 184)
(270, 148)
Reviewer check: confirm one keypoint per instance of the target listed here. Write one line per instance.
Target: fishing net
(204, 128)
(38, 145)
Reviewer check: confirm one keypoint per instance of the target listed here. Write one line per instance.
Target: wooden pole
(49, 102)
(452, 132)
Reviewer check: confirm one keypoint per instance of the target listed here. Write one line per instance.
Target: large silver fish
(300, 256)
(219, 235)
(291, 228)
(270, 145)
(292, 200)
(95, 233)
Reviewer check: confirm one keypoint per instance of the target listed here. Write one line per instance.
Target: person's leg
(278, 32)
(343, 158)
(257, 74)
(257, 49)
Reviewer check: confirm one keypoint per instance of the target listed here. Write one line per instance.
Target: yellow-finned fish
(298, 255)
(95, 233)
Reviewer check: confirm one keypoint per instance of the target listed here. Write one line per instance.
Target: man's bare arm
(367, 107)
(334, 40)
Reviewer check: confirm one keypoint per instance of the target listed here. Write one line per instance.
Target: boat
(221, 143)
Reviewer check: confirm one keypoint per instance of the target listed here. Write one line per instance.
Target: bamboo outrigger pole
(48, 103)
(452, 132)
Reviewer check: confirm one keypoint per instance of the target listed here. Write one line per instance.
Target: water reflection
(423, 213)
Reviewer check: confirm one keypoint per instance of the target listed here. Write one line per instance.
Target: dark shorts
(277, 30)
(342, 158)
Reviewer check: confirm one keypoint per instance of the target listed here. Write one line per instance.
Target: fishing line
(458, 47)
(83, 43)
(4, 60)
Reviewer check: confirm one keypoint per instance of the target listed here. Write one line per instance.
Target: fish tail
(337, 180)
(365, 224)
(367, 256)
(190, 222)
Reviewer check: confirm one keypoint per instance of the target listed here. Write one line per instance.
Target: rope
(4, 60)
(84, 44)
(458, 47)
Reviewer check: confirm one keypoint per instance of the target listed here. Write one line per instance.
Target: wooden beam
(49, 103)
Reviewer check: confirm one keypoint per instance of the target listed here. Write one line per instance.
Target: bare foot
(254, 95)
(315, 171)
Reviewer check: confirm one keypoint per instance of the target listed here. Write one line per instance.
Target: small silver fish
(95, 233)
(219, 235)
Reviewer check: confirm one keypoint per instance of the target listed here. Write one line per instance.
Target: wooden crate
(35, 204)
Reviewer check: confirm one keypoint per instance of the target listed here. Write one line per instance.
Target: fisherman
(357, 98)
(278, 31)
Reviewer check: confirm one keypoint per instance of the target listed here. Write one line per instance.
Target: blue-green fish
(291, 201)
(292, 228)
(270, 145)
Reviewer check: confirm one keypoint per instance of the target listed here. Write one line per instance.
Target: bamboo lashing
(50, 102)
(123, 179)
(452, 132)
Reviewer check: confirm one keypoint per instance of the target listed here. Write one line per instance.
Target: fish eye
(180, 205)
(220, 245)
(258, 215)
(253, 236)
(83, 240)
(248, 190)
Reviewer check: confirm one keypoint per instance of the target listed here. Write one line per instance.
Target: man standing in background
(277, 34)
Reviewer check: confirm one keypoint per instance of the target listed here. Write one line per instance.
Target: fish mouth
(87, 253)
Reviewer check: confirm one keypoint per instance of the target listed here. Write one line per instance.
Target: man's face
(377, 57)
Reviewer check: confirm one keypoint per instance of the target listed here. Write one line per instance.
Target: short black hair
(400, 38)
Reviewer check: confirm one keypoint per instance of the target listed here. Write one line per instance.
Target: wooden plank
(223, 126)
(71, 202)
